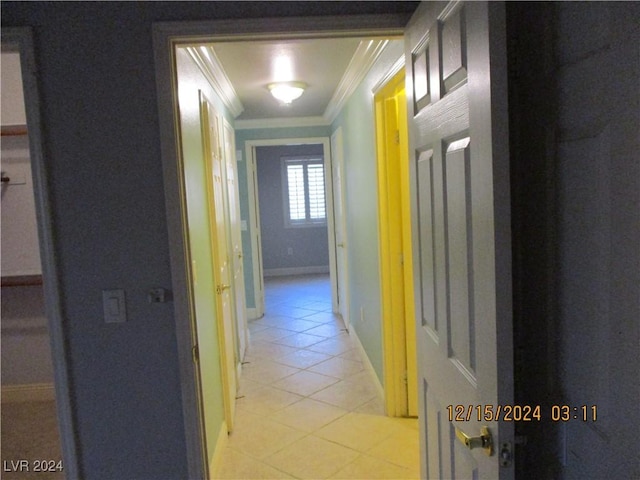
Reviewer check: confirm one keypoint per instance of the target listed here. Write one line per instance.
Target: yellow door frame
(396, 272)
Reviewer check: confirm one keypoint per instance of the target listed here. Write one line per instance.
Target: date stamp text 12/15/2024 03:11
(522, 413)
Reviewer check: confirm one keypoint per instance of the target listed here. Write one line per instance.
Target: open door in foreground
(457, 104)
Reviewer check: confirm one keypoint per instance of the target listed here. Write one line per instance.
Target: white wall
(12, 106)
(19, 235)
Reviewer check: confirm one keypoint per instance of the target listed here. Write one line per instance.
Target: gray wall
(309, 245)
(99, 110)
(598, 148)
(575, 140)
(102, 148)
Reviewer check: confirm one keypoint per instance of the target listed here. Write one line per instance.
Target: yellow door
(395, 249)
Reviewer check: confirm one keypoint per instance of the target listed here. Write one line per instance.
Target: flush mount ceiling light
(287, 92)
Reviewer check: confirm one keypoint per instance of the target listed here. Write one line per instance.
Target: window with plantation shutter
(304, 192)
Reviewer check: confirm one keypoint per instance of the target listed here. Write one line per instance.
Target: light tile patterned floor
(307, 408)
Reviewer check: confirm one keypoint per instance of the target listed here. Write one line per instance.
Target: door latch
(506, 454)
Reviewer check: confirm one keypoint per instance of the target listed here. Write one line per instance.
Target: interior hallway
(307, 407)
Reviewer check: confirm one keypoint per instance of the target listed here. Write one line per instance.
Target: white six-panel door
(456, 94)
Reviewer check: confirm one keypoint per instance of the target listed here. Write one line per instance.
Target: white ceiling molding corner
(397, 66)
(207, 61)
(365, 56)
(285, 122)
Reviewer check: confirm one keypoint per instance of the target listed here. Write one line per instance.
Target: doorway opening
(378, 26)
(276, 243)
(45, 278)
(396, 268)
(28, 396)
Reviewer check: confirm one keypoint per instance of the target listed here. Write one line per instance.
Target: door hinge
(397, 137)
(195, 354)
(405, 378)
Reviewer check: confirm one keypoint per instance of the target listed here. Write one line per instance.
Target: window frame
(305, 161)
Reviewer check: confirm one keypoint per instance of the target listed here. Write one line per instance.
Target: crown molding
(364, 57)
(209, 64)
(397, 66)
(284, 122)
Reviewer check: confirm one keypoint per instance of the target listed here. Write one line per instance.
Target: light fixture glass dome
(287, 92)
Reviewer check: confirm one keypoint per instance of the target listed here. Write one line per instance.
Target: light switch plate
(113, 302)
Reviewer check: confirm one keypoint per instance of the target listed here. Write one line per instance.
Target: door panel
(222, 267)
(235, 233)
(452, 47)
(340, 225)
(459, 254)
(427, 237)
(460, 211)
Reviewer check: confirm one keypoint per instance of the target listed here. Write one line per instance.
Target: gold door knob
(484, 441)
(222, 288)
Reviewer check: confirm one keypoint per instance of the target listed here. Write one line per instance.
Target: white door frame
(20, 40)
(166, 36)
(254, 212)
(341, 250)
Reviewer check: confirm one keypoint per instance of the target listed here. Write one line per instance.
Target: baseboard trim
(367, 363)
(239, 370)
(216, 459)
(30, 392)
(252, 314)
(281, 272)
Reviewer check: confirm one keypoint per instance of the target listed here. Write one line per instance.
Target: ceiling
(331, 67)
